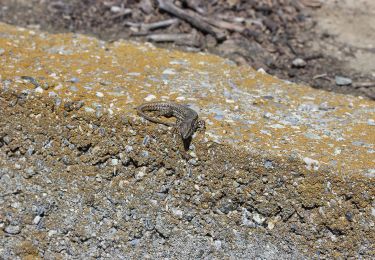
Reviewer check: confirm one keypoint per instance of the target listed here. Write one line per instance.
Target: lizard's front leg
(183, 144)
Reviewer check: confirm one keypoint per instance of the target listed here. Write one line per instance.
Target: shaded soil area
(294, 40)
(77, 186)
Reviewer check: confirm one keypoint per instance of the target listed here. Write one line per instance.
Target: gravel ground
(75, 186)
(64, 196)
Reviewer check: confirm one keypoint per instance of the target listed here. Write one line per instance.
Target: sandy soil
(352, 25)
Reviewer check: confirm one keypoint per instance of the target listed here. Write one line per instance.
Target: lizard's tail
(151, 119)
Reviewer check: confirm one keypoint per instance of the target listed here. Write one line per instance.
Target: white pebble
(258, 218)
(114, 162)
(177, 212)
(169, 72)
(36, 220)
(311, 164)
(39, 90)
(262, 71)
(149, 97)
(180, 98)
(115, 9)
(89, 110)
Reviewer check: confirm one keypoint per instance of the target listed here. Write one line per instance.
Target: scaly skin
(187, 121)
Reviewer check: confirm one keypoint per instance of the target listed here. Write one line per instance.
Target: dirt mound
(278, 36)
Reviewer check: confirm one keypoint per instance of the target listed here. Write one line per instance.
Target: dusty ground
(352, 23)
(334, 38)
(64, 195)
(350, 27)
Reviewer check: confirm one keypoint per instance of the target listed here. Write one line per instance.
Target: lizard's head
(187, 128)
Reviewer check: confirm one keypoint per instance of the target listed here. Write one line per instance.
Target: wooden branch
(225, 25)
(364, 84)
(189, 39)
(157, 25)
(145, 27)
(193, 18)
(122, 12)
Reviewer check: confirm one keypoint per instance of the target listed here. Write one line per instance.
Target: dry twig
(193, 18)
(189, 39)
(145, 27)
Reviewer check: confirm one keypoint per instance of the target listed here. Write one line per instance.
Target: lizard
(187, 121)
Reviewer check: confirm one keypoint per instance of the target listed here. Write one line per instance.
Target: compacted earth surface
(107, 196)
(81, 178)
(324, 44)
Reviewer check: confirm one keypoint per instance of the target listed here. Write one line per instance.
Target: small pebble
(180, 98)
(15, 205)
(262, 71)
(145, 154)
(149, 225)
(52, 232)
(258, 218)
(74, 80)
(343, 81)
(371, 122)
(134, 242)
(39, 90)
(268, 115)
(141, 174)
(193, 162)
(349, 216)
(30, 151)
(134, 74)
(89, 110)
(312, 136)
(169, 72)
(177, 212)
(99, 94)
(37, 219)
(311, 164)
(218, 244)
(299, 63)
(271, 225)
(2, 51)
(7, 139)
(268, 97)
(114, 162)
(115, 9)
(52, 94)
(268, 164)
(13, 230)
(277, 126)
(145, 140)
(128, 148)
(149, 98)
(73, 88)
(58, 102)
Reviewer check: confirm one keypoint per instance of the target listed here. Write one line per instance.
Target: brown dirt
(83, 190)
(335, 38)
